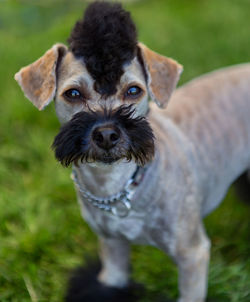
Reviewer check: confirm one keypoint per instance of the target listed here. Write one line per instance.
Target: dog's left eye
(133, 92)
(73, 94)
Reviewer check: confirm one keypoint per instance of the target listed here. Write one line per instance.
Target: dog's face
(103, 113)
(99, 127)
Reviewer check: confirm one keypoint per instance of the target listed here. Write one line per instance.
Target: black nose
(106, 137)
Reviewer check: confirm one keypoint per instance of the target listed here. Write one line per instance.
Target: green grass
(42, 236)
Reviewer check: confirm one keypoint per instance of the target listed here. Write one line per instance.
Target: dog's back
(213, 112)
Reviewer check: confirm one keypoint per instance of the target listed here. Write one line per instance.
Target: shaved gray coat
(202, 146)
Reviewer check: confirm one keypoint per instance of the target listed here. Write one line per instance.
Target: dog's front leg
(192, 260)
(115, 258)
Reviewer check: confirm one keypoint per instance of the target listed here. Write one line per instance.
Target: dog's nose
(106, 137)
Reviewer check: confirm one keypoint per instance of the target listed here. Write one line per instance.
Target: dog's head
(101, 85)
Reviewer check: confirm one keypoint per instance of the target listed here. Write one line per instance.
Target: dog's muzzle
(105, 136)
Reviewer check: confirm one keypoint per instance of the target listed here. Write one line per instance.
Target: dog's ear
(162, 74)
(38, 80)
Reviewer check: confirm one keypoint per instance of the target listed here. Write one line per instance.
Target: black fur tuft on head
(75, 140)
(106, 39)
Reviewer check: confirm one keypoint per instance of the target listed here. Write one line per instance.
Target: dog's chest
(141, 220)
(132, 227)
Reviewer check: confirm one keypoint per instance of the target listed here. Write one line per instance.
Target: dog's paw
(84, 287)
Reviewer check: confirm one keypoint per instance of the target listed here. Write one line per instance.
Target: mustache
(73, 142)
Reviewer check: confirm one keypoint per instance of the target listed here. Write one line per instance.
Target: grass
(42, 234)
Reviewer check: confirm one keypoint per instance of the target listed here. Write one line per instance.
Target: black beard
(73, 142)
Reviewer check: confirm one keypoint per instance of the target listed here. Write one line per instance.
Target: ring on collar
(118, 204)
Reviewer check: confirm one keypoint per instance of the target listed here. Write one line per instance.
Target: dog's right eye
(73, 95)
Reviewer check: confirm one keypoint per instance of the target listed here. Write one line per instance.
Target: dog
(143, 174)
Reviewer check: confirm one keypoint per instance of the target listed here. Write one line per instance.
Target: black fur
(74, 141)
(106, 39)
(242, 185)
(84, 287)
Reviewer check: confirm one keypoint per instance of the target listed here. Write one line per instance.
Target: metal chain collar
(118, 204)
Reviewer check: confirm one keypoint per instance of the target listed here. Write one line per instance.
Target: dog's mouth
(106, 159)
(105, 136)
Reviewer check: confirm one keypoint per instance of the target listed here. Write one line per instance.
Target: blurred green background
(42, 236)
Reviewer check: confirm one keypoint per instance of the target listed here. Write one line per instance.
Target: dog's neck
(104, 180)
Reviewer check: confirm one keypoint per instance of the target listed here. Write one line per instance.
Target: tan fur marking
(38, 80)
(163, 74)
